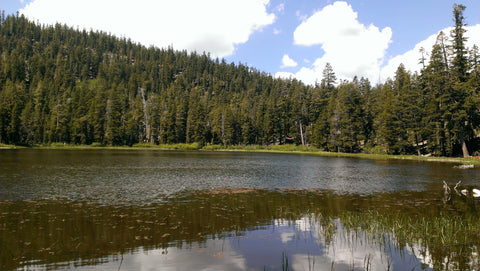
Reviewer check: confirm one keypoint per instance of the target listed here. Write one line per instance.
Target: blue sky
(287, 38)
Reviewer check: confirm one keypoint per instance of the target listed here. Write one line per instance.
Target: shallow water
(129, 210)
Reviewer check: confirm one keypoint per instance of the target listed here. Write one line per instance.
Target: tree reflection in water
(245, 229)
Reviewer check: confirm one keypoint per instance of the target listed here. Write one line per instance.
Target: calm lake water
(159, 210)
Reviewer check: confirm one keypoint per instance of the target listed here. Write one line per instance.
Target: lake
(162, 210)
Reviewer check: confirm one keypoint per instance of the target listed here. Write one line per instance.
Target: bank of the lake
(7, 146)
(288, 148)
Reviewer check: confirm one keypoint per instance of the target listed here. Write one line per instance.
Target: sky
(286, 38)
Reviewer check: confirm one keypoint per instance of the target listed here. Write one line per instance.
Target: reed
(444, 237)
(285, 266)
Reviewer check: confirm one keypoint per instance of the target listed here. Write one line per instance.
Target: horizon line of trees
(58, 84)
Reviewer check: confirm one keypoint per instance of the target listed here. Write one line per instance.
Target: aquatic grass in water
(41, 232)
(439, 240)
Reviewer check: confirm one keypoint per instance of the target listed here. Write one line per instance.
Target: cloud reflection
(212, 255)
(300, 241)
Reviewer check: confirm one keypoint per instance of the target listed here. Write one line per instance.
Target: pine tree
(438, 83)
(62, 85)
(387, 123)
(465, 102)
(348, 119)
(329, 78)
(460, 65)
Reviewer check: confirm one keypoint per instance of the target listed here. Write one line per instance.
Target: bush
(182, 146)
(96, 145)
(288, 148)
(144, 145)
(212, 147)
(374, 150)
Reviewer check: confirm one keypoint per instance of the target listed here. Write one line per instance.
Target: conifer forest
(64, 85)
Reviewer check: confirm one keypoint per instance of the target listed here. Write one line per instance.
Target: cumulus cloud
(351, 48)
(214, 26)
(288, 62)
(411, 58)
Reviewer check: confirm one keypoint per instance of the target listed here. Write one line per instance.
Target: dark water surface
(152, 210)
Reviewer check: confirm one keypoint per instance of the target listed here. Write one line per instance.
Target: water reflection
(277, 247)
(127, 210)
(245, 229)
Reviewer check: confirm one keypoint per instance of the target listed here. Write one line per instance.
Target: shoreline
(285, 149)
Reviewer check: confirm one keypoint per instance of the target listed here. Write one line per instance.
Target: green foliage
(213, 147)
(96, 145)
(144, 145)
(182, 146)
(288, 148)
(377, 149)
(60, 85)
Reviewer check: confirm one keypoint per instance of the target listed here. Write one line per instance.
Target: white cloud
(301, 16)
(284, 75)
(288, 62)
(214, 26)
(352, 48)
(280, 8)
(411, 58)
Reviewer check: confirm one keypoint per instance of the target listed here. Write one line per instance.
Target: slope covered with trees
(59, 84)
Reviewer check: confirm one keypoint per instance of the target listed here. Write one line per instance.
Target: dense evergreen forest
(59, 84)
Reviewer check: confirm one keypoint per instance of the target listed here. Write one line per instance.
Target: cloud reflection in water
(261, 248)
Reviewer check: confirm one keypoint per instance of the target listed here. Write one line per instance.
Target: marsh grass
(285, 265)
(453, 238)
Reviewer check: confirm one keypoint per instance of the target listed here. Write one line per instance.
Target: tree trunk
(301, 134)
(108, 112)
(465, 149)
(146, 117)
(223, 128)
(419, 153)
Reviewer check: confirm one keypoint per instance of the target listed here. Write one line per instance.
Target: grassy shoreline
(251, 148)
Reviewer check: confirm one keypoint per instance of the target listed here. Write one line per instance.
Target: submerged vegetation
(61, 85)
(444, 237)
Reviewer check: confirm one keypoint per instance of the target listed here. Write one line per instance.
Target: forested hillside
(59, 84)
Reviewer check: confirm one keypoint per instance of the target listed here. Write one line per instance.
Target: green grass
(181, 146)
(6, 146)
(139, 146)
(261, 148)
